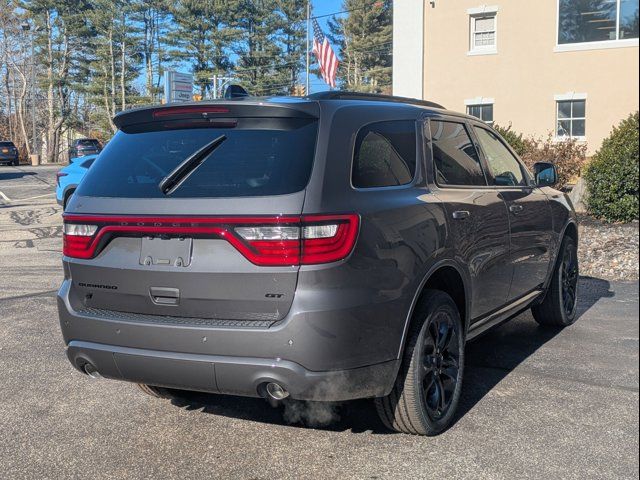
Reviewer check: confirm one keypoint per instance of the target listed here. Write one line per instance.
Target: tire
(157, 392)
(558, 309)
(426, 393)
(16, 162)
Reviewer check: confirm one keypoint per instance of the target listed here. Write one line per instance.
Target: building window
(597, 21)
(482, 111)
(483, 33)
(570, 118)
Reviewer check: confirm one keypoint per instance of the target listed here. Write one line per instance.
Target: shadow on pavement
(15, 174)
(493, 356)
(489, 359)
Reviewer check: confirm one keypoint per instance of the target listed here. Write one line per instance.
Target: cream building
(569, 67)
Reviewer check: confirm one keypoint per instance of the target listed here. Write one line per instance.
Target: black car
(9, 154)
(84, 146)
(327, 248)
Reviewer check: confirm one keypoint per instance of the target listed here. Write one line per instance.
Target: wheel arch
(448, 277)
(68, 191)
(571, 229)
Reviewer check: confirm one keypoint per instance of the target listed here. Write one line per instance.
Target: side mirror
(545, 173)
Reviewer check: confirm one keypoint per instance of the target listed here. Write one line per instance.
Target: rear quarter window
(385, 155)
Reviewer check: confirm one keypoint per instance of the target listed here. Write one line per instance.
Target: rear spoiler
(236, 108)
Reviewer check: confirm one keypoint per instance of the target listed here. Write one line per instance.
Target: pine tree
(113, 60)
(258, 52)
(203, 38)
(364, 38)
(293, 38)
(62, 38)
(152, 20)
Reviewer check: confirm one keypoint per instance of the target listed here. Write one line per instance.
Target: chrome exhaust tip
(91, 371)
(276, 391)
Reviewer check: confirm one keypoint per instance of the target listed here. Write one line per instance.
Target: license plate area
(169, 252)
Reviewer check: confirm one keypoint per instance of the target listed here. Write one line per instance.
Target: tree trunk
(123, 73)
(113, 73)
(51, 153)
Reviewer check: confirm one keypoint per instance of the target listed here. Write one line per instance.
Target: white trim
(567, 138)
(569, 96)
(469, 102)
(408, 45)
(492, 51)
(577, 47)
(482, 9)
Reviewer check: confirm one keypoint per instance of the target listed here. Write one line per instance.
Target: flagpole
(308, 20)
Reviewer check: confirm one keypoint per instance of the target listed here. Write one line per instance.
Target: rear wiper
(178, 175)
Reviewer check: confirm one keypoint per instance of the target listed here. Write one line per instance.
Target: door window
(455, 157)
(503, 166)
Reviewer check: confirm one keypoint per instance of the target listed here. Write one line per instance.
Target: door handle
(515, 208)
(461, 214)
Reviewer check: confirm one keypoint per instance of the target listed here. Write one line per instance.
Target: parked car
(329, 248)
(83, 147)
(69, 177)
(9, 154)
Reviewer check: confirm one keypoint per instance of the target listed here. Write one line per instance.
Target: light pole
(26, 26)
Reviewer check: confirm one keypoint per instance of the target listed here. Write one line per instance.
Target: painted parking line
(4, 197)
(38, 196)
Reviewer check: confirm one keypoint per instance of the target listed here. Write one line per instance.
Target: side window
(385, 155)
(505, 169)
(455, 157)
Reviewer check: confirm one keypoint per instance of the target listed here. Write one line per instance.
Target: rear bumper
(329, 350)
(230, 375)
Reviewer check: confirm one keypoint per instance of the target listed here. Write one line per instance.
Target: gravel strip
(608, 250)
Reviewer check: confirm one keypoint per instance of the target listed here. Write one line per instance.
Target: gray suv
(329, 248)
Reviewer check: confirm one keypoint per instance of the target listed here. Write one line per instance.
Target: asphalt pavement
(536, 403)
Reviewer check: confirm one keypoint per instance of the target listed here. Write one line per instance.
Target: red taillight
(265, 241)
(328, 238)
(58, 175)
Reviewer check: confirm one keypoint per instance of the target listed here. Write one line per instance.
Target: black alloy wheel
(426, 393)
(559, 306)
(569, 279)
(441, 364)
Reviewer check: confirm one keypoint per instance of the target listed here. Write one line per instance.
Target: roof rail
(372, 97)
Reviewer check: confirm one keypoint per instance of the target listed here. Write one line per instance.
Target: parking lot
(536, 403)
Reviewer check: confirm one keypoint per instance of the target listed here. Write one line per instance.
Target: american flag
(325, 55)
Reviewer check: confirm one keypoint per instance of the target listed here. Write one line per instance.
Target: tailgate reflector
(263, 240)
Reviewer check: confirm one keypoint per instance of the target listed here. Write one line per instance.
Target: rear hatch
(226, 243)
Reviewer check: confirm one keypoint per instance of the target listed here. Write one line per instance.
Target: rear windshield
(6, 144)
(86, 143)
(259, 157)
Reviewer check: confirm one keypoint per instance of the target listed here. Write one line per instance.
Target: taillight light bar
(265, 241)
(58, 175)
